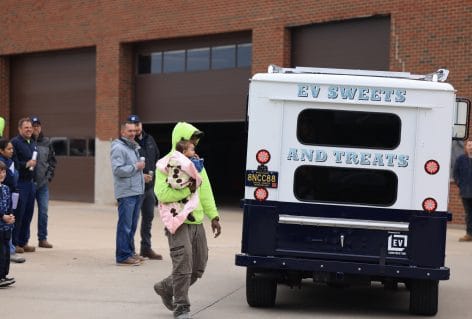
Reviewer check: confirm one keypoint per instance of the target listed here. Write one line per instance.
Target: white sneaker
(17, 259)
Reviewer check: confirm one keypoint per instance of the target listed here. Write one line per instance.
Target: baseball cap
(35, 120)
(197, 134)
(134, 119)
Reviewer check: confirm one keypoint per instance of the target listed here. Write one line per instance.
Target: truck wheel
(260, 291)
(424, 297)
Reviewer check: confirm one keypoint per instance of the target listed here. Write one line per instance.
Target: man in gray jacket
(43, 174)
(129, 187)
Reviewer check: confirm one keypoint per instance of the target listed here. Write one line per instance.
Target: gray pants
(189, 254)
(147, 215)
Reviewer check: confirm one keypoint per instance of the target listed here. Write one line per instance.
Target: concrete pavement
(78, 278)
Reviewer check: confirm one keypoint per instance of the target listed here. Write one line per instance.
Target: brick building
(83, 66)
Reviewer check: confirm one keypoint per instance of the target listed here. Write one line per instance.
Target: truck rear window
(345, 185)
(349, 129)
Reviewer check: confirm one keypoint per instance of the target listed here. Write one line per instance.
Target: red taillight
(263, 156)
(431, 167)
(261, 194)
(430, 204)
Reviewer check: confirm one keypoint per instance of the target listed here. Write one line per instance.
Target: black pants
(147, 215)
(5, 236)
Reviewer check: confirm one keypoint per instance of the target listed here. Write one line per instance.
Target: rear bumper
(315, 265)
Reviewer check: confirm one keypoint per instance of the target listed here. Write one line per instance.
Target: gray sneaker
(17, 259)
(167, 299)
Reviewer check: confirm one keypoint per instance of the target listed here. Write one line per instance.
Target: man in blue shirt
(24, 156)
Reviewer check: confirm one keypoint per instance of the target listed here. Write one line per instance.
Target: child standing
(7, 219)
(11, 180)
(181, 173)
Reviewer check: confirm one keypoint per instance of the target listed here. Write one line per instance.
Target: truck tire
(424, 297)
(260, 290)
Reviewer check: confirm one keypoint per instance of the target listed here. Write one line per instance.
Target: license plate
(262, 179)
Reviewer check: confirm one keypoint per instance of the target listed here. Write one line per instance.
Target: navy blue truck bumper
(317, 238)
(314, 265)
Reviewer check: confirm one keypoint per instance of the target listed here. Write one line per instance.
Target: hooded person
(181, 173)
(188, 245)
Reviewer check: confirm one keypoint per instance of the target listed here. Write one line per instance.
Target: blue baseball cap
(134, 119)
(35, 120)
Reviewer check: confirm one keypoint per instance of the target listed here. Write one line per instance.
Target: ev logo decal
(397, 244)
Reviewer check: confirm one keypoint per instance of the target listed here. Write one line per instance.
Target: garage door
(59, 88)
(350, 44)
(201, 79)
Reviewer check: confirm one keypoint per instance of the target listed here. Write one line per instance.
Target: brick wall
(455, 205)
(425, 35)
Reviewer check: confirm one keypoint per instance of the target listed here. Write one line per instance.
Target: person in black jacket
(43, 174)
(7, 219)
(148, 150)
(24, 157)
(463, 179)
(11, 180)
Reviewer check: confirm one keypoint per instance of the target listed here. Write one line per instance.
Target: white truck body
(426, 111)
(347, 180)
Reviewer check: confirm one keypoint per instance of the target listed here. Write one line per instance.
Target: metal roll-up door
(169, 91)
(59, 88)
(349, 44)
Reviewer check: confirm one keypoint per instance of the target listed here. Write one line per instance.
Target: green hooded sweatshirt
(166, 194)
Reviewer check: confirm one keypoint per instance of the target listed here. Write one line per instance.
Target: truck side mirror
(461, 119)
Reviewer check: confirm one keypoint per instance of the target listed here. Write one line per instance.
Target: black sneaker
(5, 282)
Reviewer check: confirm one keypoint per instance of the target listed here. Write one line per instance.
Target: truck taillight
(430, 205)
(431, 167)
(261, 194)
(263, 156)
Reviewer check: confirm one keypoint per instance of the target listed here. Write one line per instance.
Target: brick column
(270, 45)
(113, 104)
(455, 205)
(107, 99)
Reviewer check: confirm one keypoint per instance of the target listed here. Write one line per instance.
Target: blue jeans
(12, 247)
(42, 198)
(23, 213)
(128, 215)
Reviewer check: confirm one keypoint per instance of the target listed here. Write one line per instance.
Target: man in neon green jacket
(188, 246)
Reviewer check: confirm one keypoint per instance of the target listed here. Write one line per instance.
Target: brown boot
(19, 250)
(139, 258)
(44, 244)
(149, 253)
(466, 237)
(29, 249)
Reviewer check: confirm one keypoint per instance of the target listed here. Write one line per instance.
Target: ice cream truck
(347, 180)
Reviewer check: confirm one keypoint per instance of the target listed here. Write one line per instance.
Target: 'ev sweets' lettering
(353, 93)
